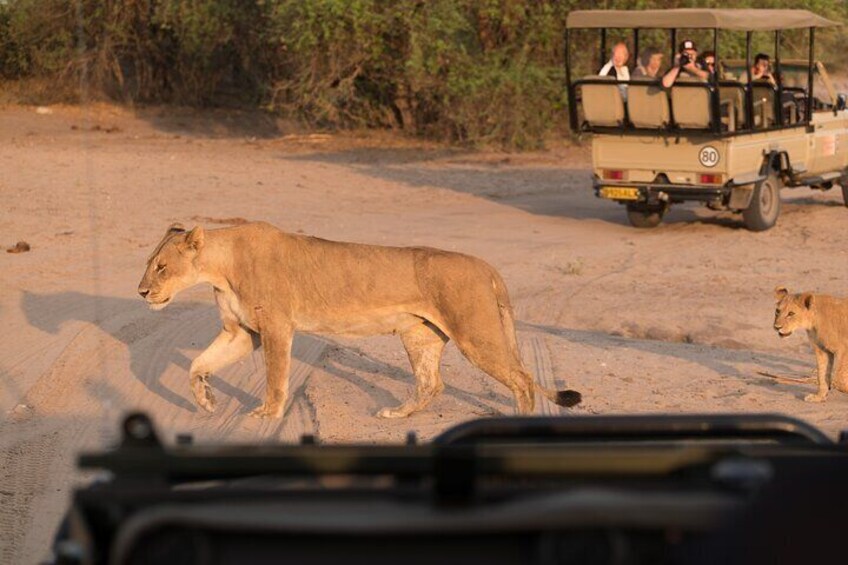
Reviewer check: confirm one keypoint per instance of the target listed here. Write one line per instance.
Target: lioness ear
(808, 301)
(195, 238)
(780, 293)
(175, 228)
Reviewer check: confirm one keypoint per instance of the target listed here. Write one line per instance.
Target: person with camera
(685, 62)
(761, 70)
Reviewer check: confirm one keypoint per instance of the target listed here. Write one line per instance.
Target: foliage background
(467, 71)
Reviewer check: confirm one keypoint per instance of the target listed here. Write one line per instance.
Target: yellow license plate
(620, 193)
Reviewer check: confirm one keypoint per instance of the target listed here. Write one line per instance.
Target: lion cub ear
(780, 293)
(808, 300)
(195, 238)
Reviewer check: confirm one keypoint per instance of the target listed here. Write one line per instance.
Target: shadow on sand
(724, 362)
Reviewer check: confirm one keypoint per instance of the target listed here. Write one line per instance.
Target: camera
(684, 60)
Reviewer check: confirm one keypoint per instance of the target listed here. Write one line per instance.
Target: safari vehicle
(545, 490)
(729, 142)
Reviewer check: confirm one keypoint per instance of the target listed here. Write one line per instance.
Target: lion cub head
(171, 267)
(793, 312)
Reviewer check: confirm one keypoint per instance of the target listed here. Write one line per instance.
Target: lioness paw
(390, 413)
(815, 397)
(203, 393)
(266, 411)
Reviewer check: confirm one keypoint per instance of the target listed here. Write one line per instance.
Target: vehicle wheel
(644, 216)
(762, 212)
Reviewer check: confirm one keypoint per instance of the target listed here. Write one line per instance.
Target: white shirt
(621, 73)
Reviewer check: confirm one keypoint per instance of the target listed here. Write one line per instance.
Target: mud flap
(740, 197)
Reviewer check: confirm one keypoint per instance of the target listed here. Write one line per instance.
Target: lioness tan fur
(826, 320)
(274, 284)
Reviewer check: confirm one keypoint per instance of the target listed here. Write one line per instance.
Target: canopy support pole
(603, 60)
(749, 99)
(779, 79)
(715, 102)
(572, 103)
(636, 46)
(810, 70)
(673, 45)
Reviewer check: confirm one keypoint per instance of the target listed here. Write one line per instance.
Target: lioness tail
(567, 398)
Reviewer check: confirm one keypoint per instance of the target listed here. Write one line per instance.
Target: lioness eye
(790, 314)
(160, 269)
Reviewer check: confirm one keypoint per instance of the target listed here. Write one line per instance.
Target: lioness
(826, 320)
(273, 284)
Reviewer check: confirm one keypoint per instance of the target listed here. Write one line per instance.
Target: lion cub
(826, 320)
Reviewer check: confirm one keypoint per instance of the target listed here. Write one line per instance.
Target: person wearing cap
(685, 63)
(650, 62)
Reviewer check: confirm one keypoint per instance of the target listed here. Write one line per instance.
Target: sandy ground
(675, 319)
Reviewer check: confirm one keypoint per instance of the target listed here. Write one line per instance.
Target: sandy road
(675, 319)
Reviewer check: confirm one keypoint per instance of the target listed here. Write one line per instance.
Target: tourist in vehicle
(707, 62)
(684, 62)
(649, 63)
(761, 70)
(617, 65)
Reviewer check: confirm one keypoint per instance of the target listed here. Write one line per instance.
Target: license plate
(620, 193)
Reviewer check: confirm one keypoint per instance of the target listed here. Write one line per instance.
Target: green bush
(468, 71)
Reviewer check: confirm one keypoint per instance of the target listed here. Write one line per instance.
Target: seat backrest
(691, 104)
(647, 104)
(603, 104)
(732, 105)
(763, 95)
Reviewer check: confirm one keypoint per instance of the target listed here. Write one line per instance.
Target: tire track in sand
(77, 402)
(537, 358)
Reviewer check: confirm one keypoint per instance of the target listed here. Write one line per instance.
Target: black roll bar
(715, 99)
(749, 99)
(809, 112)
(572, 102)
(778, 72)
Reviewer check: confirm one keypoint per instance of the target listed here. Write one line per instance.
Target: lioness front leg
(277, 345)
(824, 361)
(233, 343)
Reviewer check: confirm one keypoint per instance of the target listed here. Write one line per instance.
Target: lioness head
(793, 312)
(171, 267)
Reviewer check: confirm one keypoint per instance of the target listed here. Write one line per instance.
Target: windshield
(140, 141)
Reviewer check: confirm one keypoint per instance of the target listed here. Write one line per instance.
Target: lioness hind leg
(424, 345)
(501, 364)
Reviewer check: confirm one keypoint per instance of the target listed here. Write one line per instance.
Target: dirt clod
(19, 247)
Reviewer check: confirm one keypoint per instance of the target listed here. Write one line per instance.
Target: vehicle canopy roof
(698, 18)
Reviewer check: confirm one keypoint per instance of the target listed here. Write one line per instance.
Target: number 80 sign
(708, 156)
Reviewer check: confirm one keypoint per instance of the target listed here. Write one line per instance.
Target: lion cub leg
(277, 344)
(424, 345)
(839, 374)
(824, 362)
(233, 343)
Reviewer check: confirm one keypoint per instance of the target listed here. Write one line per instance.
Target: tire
(764, 209)
(644, 217)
